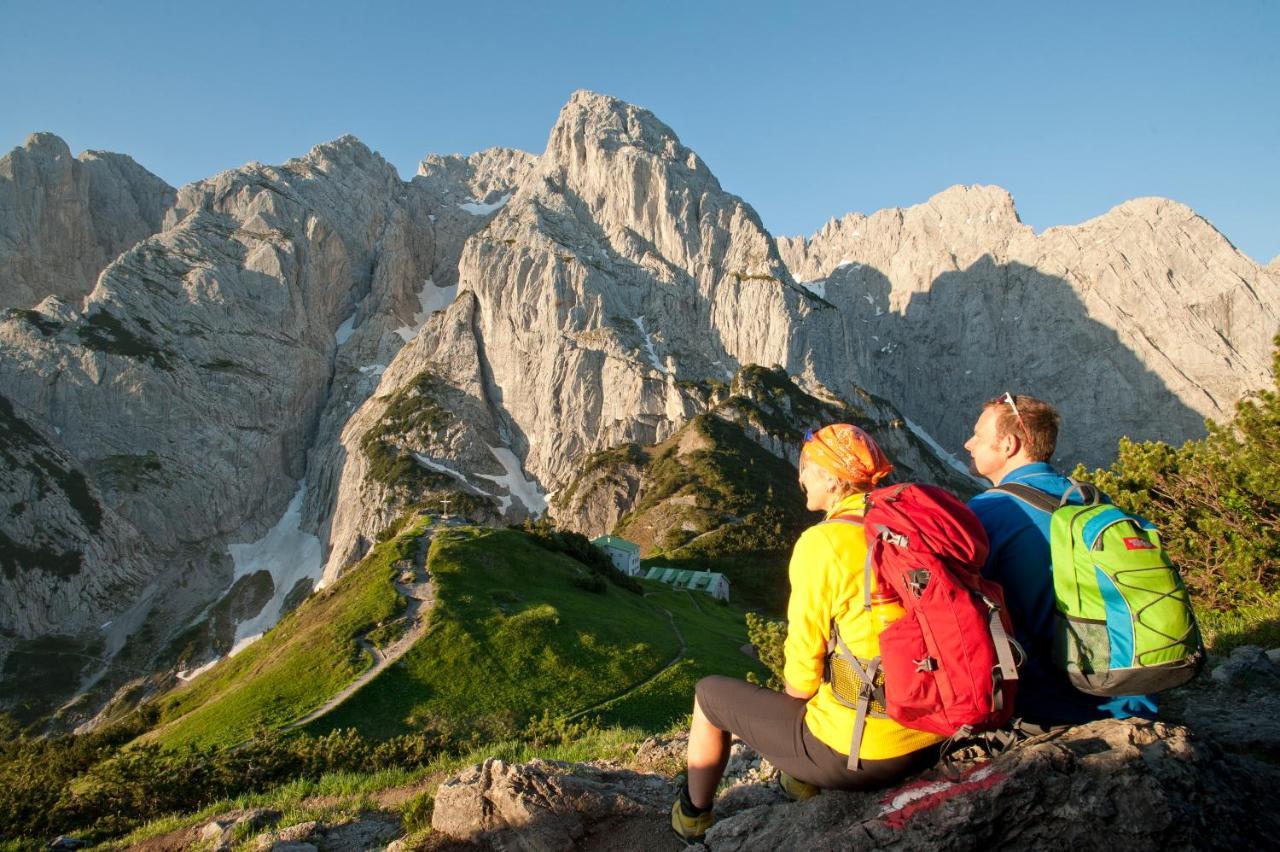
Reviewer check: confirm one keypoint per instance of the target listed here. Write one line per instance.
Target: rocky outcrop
(64, 218)
(1130, 784)
(1140, 323)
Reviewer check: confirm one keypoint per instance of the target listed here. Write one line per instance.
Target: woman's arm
(808, 614)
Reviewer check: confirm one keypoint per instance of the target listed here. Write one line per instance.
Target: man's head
(1013, 430)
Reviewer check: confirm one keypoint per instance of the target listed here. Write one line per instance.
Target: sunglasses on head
(1008, 397)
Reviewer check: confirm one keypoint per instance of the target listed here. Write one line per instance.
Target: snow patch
(445, 469)
(373, 369)
(242, 644)
(344, 332)
(848, 264)
(937, 448)
(192, 674)
(818, 287)
(648, 345)
(475, 208)
(430, 299)
(524, 490)
(286, 553)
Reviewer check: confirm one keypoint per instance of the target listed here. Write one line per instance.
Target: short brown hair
(1039, 423)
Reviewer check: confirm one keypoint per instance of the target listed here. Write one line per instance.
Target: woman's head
(839, 460)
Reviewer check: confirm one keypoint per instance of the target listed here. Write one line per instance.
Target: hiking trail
(421, 596)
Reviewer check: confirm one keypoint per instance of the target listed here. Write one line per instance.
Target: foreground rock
(1132, 784)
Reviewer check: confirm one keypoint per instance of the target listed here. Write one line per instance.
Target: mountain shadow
(990, 328)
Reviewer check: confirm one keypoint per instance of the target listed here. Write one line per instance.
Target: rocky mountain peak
(63, 219)
(47, 144)
(484, 177)
(346, 152)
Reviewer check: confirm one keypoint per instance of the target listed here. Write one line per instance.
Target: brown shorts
(772, 723)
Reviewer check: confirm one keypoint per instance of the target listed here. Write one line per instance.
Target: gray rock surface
(1128, 784)
(1139, 323)
(64, 218)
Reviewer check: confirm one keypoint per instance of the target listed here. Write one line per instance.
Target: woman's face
(819, 487)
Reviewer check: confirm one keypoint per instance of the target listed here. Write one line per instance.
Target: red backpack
(947, 666)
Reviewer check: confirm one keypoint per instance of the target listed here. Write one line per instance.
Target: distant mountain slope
(1141, 322)
(64, 218)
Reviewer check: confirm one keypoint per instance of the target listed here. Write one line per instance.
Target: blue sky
(806, 110)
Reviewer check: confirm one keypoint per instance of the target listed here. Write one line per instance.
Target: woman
(806, 732)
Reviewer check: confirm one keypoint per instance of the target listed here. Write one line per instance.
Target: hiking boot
(690, 829)
(795, 789)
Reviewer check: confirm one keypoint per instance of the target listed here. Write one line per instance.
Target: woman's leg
(707, 756)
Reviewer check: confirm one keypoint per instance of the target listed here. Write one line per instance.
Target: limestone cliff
(64, 218)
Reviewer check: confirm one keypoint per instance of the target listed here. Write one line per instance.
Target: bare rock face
(201, 389)
(1133, 784)
(63, 219)
(1138, 323)
(618, 268)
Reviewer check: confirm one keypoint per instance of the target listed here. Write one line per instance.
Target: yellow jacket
(826, 581)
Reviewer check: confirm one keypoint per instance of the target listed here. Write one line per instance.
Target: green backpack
(1124, 622)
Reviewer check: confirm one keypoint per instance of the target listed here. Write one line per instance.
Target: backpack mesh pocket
(846, 685)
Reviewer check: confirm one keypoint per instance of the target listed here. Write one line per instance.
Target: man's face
(988, 452)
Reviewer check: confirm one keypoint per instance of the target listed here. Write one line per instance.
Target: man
(1012, 442)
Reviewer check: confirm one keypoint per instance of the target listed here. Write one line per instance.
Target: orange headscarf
(847, 453)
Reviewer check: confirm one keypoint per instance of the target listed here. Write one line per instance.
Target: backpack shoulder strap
(1033, 497)
(857, 520)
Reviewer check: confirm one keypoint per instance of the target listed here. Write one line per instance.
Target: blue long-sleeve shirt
(1020, 562)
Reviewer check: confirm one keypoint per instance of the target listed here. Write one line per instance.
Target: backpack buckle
(897, 539)
(928, 664)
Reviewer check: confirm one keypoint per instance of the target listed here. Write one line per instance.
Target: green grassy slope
(714, 635)
(515, 635)
(310, 655)
(512, 638)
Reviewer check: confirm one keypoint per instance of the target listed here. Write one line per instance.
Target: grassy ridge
(306, 658)
(511, 638)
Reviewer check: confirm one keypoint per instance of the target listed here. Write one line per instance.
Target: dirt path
(684, 647)
(421, 595)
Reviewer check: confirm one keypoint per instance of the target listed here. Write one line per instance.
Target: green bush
(578, 546)
(1216, 500)
(768, 637)
(95, 784)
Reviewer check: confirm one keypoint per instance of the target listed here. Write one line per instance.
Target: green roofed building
(624, 554)
(708, 582)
